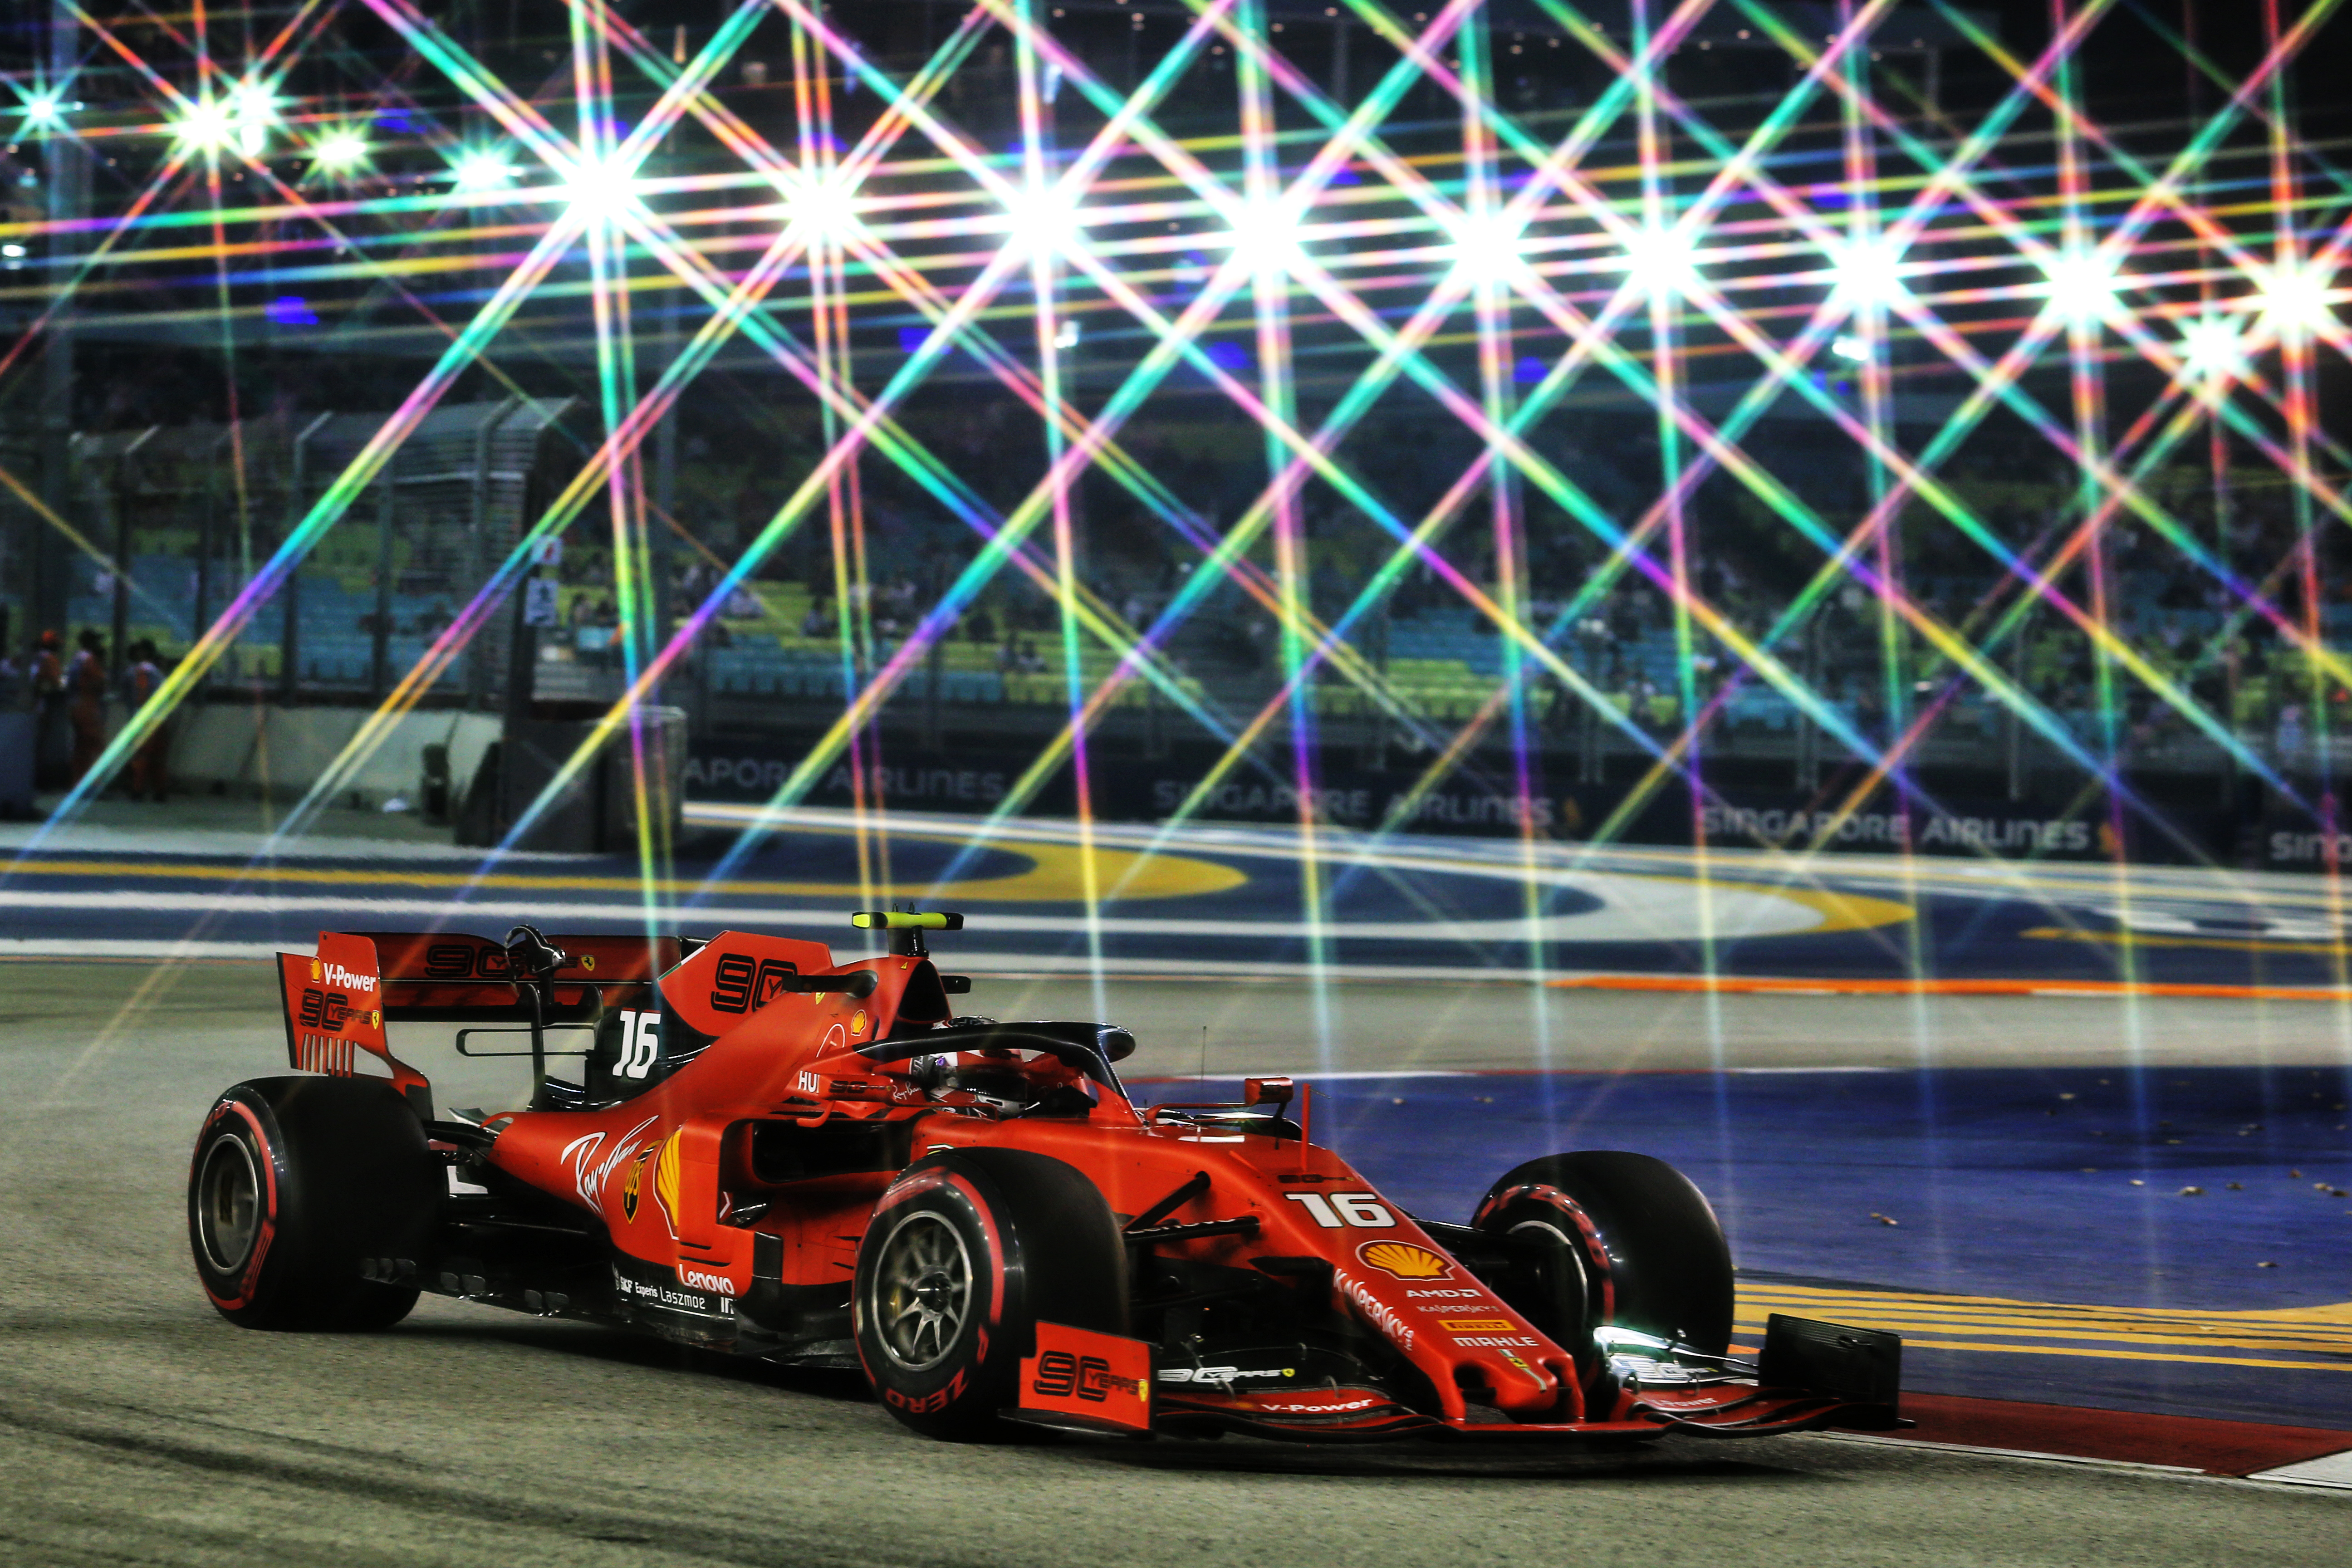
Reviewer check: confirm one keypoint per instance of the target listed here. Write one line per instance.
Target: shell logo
(1404, 1260)
(631, 1189)
(857, 1024)
(318, 970)
(665, 1176)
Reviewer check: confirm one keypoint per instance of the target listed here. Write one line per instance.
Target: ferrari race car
(768, 1154)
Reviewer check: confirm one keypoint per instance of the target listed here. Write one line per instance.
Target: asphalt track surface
(135, 1426)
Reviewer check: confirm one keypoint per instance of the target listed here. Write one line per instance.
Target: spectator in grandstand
(86, 695)
(2290, 736)
(140, 682)
(980, 627)
(46, 692)
(818, 622)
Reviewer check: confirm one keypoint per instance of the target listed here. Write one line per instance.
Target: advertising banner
(2085, 826)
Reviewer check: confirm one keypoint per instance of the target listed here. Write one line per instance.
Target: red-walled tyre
(1604, 1237)
(964, 1253)
(294, 1182)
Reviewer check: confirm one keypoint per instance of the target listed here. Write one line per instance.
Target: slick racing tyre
(965, 1252)
(294, 1182)
(1608, 1238)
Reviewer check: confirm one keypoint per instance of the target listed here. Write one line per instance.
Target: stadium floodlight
(481, 169)
(1487, 246)
(206, 125)
(1660, 260)
(1264, 236)
(44, 110)
(827, 208)
(2295, 298)
(252, 105)
(1851, 348)
(2080, 284)
(1041, 218)
(1869, 273)
(341, 150)
(2211, 348)
(601, 187)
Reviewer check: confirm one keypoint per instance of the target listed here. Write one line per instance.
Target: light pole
(66, 173)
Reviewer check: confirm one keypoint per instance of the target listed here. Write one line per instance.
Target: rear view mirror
(1268, 1090)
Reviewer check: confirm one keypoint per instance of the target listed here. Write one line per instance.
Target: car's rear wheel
(1608, 1238)
(294, 1182)
(965, 1254)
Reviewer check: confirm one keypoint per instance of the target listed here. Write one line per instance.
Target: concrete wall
(282, 752)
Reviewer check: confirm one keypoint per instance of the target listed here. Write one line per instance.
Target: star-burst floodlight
(1660, 260)
(205, 125)
(481, 169)
(2295, 298)
(602, 187)
(341, 150)
(1264, 236)
(1869, 273)
(253, 111)
(44, 111)
(1487, 246)
(826, 208)
(2211, 348)
(2080, 285)
(1041, 218)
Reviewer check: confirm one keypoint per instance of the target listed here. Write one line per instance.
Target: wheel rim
(922, 1290)
(1568, 1256)
(228, 1202)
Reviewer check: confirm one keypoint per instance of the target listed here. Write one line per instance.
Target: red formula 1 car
(774, 1155)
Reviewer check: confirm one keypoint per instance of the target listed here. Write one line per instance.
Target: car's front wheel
(965, 1254)
(1614, 1239)
(294, 1182)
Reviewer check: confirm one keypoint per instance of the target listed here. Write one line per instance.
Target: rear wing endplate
(333, 1001)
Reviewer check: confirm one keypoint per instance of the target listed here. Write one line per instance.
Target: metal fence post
(478, 667)
(289, 637)
(120, 623)
(380, 651)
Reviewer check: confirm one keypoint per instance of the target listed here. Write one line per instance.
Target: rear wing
(451, 977)
(334, 1010)
(339, 999)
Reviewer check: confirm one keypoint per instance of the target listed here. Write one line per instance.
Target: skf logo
(1061, 1374)
(1404, 1260)
(1476, 1325)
